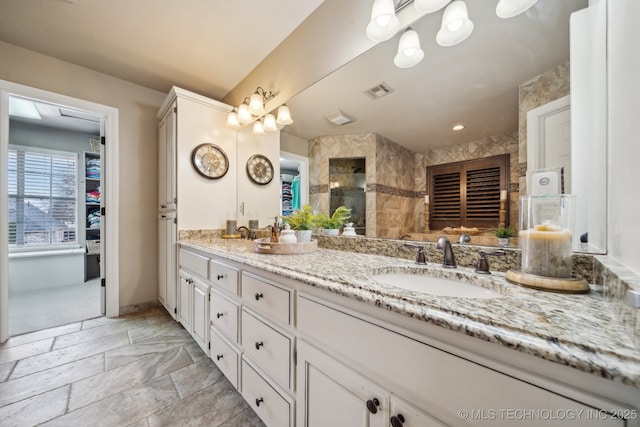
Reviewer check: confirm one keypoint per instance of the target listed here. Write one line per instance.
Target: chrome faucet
(449, 259)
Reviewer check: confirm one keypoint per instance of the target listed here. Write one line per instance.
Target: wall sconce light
(510, 8)
(409, 51)
(252, 110)
(456, 25)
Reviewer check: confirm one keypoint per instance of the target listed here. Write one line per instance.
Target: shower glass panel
(347, 183)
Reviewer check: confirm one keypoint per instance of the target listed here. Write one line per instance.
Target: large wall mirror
(401, 120)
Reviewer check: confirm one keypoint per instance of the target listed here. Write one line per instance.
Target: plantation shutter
(42, 197)
(467, 193)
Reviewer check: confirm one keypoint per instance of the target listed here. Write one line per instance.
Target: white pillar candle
(503, 195)
(426, 199)
(546, 251)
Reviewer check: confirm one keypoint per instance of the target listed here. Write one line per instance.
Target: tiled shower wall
(396, 177)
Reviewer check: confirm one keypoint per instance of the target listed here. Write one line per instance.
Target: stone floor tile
(103, 385)
(195, 351)
(140, 423)
(208, 407)
(41, 335)
(195, 377)
(156, 332)
(121, 408)
(6, 368)
(25, 350)
(31, 385)
(97, 332)
(246, 418)
(132, 352)
(68, 354)
(36, 409)
(100, 321)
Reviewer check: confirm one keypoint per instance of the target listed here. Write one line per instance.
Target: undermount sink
(435, 285)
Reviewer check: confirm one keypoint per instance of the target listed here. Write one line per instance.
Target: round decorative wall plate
(210, 161)
(260, 169)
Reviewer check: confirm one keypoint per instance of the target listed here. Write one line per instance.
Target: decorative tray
(266, 246)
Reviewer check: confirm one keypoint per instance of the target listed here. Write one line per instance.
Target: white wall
(624, 137)
(138, 155)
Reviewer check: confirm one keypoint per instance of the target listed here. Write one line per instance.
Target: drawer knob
(397, 420)
(372, 405)
(220, 276)
(259, 344)
(219, 315)
(218, 357)
(259, 401)
(258, 296)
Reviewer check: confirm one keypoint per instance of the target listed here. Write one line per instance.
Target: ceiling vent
(339, 118)
(379, 91)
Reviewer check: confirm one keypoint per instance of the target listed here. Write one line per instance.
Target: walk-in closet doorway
(54, 235)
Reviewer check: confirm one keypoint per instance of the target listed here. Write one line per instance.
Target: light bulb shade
(429, 6)
(232, 120)
(256, 104)
(258, 129)
(284, 116)
(270, 123)
(244, 116)
(409, 52)
(384, 23)
(510, 8)
(456, 25)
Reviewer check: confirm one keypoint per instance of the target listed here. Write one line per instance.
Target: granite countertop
(581, 331)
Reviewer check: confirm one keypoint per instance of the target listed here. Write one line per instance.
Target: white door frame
(535, 130)
(110, 194)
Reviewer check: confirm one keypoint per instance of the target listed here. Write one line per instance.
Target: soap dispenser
(275, 231)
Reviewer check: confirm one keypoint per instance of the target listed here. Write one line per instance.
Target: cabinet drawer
(437, 380)
(267, 299)
(195, 263)
(268, 348)
(410, 416)
(224, 277)
(225, 356)
(270, 405)
(224, 316)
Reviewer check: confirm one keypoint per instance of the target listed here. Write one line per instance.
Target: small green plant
(335, 221)
(301, 219)
(505, 232)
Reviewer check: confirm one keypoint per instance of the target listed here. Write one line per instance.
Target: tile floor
(137, 370)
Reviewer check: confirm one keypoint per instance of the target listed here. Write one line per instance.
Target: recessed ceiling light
(458, 127)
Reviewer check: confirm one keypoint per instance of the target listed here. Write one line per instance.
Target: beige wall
(138, 155)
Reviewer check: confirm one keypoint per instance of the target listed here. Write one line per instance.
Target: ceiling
(210, 46)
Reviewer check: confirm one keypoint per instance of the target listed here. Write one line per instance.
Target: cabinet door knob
(259, 344)
(259, 401)
(218, 357)
(219, 315)
(259, 295)
(372, 405)
(397, 420)
(220, 276)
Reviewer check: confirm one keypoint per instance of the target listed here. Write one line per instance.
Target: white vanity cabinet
(268, 345)
(193, 296)
(441, 384)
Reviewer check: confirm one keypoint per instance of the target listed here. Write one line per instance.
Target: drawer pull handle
(397, 420)
(220, 276)
(259, 295)
(219, 315)
(259, 344)
(218, 357)
(259, 401)
(372, 405)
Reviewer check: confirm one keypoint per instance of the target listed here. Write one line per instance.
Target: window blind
(42, 197)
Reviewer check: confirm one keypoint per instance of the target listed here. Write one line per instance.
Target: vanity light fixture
(510, 8)
(456, 25)
(409, 51)
(384, 23)
(252, 111)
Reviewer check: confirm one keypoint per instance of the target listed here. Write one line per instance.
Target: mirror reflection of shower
(347, 184)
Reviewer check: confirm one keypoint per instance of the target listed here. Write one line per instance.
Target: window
(42, 197)
(467, 193)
